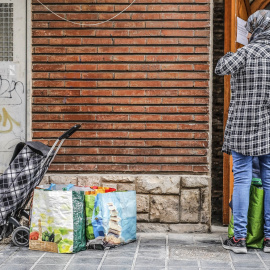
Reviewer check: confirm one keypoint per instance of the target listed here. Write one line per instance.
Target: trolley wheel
(20, 236)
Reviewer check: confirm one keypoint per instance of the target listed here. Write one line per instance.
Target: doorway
(233, 9)
(13, 77)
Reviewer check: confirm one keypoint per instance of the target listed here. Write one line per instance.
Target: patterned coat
(248, 125)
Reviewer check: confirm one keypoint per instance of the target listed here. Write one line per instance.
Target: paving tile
(267, 263)
(160, 241)
(264, 256)
(21, 260)
(29, 253)
(254, 264)
(90, 253)
(152, 253)
(215, 264)
(240, 257)
(120, 253)
(150, 268)
(154, 248)
(15, 267)
(126, 261)
(207, 268)
(183, 268)
(116, 267)
(62, 255)
(199, 253)
(82, 267)
(244, 268)
(49, 267)
(150, 262)
(183, 263)
(54, 260)
(85, 260)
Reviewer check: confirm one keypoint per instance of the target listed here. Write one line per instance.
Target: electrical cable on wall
(87, 24)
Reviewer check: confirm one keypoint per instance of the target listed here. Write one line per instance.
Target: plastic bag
(114, 217)
(58, 221)
(255, 233)
(89, 207)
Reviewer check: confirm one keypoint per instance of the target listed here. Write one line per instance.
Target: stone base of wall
(165, 203)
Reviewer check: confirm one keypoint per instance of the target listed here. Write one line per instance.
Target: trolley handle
(68, 133)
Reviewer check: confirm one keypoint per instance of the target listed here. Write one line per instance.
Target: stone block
(158, 184)
(118, 178)
(111, 185)
(152, 227)
(189, 228)
(125, 186)
(164, 208)
(190, 204)
(143, 217)
(142, 203)
(45, 180)
(88, 180)
(206, 205)
(195, 181)
(64, 179)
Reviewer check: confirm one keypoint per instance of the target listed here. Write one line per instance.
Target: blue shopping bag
(114, 217)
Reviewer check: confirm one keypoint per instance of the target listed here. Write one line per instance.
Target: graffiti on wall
(12, 111)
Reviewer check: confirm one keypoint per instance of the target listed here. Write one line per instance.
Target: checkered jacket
(248, 125)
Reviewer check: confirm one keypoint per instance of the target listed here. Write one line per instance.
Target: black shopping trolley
(27, 167)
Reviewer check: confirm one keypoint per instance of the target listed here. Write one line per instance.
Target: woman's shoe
(237, 246)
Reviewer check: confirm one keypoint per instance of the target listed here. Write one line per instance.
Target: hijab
(258, 24)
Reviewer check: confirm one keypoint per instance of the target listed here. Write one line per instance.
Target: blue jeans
(256, 173)
(242, 171)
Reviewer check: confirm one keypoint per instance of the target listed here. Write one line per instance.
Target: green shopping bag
(89, 207)
(255, 233)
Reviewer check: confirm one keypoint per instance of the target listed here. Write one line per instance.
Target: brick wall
(138, 84)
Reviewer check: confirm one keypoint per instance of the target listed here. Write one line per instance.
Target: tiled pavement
(151, 251)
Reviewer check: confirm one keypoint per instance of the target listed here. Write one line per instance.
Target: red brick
(81, 67)
(97, 76)
(133, 41)
(56, 8)
(81, 16)
(99, 8)
(39, 58)
(100, 41)
(113, 84)
(65, 75)
(112, 67)
(112, 33)
(128, 58)
(64, 58)
(113, 50)
(81, 50)
(50, 50)
(65, 41)
(48, 83)
(79, 84)
(177, 33)
(80, 32)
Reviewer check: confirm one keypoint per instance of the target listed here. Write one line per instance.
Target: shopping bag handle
(68, 133)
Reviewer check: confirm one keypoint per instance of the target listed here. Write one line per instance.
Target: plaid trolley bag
(28, 165)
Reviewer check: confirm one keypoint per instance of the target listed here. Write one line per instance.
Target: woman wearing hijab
(247, 132)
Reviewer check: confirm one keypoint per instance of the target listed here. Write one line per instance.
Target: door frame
(230, 22)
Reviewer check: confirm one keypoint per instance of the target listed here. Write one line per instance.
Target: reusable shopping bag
(89, 207)
(58, 221)
(255, 233)
(114, 217)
